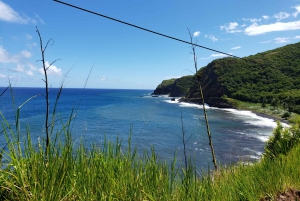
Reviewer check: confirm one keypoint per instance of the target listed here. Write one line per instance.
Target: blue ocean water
(153, 121)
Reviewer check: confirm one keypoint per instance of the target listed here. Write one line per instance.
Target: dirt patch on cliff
(288, 195)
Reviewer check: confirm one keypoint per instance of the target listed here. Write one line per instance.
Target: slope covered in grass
(271, 76)
(69, 172)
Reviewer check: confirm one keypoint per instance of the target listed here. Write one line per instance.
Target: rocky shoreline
(270, 117)
(196, 101)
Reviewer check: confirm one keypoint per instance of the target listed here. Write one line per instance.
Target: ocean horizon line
(79, 88)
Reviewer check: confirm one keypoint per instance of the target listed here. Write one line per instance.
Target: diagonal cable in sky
(144, 29)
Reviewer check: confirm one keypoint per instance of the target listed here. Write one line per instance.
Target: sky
(123, 57)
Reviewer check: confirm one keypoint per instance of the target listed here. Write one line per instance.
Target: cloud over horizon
(52, 70)
(196, 34)
(256, 29)
(259, 26)
(231, 27)
(235, 48)
(8, 14)
(211, 37)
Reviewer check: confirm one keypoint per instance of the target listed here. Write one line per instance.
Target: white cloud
(211, 37)
(30, 45)
(295, 14)
(252, 20)
(268, 41)
(282, 40)
(232, 27)
(2, 76)
(256, 29)
(52, 70)
(28, 37)
(103, 78)
(265, 17)
(235, 48)
(213, 56)
(297, 37)
(26, 54)
(20, 68)
(32, 67)
(196, 34)
(5, 57)
(29, 73)
(282, 15)
(39, 18)
(9, 15)
(218, 55)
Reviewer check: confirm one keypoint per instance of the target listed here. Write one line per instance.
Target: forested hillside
(175, 87)
(272, 77)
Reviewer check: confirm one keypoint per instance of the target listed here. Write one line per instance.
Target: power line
(144, 29)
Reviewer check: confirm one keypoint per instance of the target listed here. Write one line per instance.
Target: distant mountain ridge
(274, 74)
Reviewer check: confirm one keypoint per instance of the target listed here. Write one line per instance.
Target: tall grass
(110, 172)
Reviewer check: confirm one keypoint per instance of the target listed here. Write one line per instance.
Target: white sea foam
(255, 119)
(255, 157)
(252, 119)
(183, 104)
(170, 101)
(263, 138)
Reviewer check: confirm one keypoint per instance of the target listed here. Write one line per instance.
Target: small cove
(152, 121)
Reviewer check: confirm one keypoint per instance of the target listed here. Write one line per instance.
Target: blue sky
(123, 57)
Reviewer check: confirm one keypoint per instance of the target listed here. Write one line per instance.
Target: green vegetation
(175, 87)
(271, 75)
(166, 83)
(263, 108)
(165, 87)
(268, 78)
(182, 85)
(283, 140)
(73, 172)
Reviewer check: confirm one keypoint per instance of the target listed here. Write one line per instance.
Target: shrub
(286, 115)
(282, 140)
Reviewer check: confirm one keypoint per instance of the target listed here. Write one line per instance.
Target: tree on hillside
(275, 103)
(264, 103)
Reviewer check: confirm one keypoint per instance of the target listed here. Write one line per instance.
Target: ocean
(152, 121)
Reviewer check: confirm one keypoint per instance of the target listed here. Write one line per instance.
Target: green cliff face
(165, 87)
(175, 87)
(182, 86)
(269, 75)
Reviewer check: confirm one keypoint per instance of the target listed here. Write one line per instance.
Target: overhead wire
(144, 29)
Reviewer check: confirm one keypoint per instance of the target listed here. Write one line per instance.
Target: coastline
(261, 114)
(268, 116)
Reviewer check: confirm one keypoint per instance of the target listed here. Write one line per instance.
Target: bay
(152, 121)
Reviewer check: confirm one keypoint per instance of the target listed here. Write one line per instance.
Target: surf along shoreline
(261, 114)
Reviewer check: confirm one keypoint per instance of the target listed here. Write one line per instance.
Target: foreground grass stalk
(203, 104)
(46, 88)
